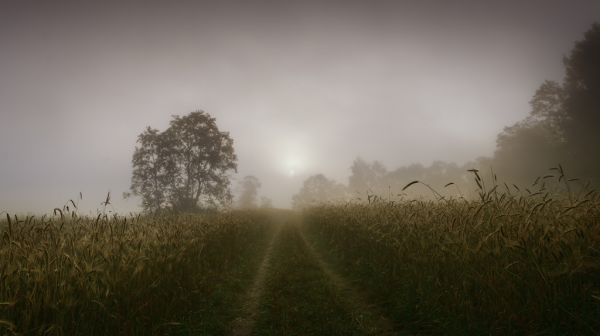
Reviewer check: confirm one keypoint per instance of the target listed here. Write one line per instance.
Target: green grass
(299, 299)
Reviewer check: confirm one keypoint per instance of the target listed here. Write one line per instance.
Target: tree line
(562, 128)
(188, 166)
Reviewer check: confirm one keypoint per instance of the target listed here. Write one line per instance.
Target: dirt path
(367, 316)
(299, 298)
(296, 292)
(244, 324)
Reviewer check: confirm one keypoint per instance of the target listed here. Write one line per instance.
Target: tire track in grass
(299, 298)
(244, 324)
(367, 316)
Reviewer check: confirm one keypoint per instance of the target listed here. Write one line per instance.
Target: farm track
(368, 316)
(244, 324)
(296, 292)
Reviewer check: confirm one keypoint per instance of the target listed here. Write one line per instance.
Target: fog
(302, 87)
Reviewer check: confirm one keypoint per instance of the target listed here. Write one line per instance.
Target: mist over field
(303, 88)
(299, 167)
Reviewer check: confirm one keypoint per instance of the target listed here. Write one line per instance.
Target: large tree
(562, 127)
(184, 168)
(582, 104)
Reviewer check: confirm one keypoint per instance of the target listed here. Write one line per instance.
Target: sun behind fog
(293, 165)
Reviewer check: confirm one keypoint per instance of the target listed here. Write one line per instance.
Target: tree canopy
(184, 168)
(582, 104)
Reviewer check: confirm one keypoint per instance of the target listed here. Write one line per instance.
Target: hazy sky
(303, 87)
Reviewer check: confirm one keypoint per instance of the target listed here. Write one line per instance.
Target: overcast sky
(302, 87)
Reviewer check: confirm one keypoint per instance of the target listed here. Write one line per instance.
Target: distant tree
(249, 192)
(318, 189)
(266, 203)
(367, 178)
(184, 168)
(438, 175)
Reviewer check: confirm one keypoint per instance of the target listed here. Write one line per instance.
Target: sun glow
(291, 155)
(293, 165)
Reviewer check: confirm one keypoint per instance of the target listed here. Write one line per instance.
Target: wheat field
(510, 262)
(65, 274)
